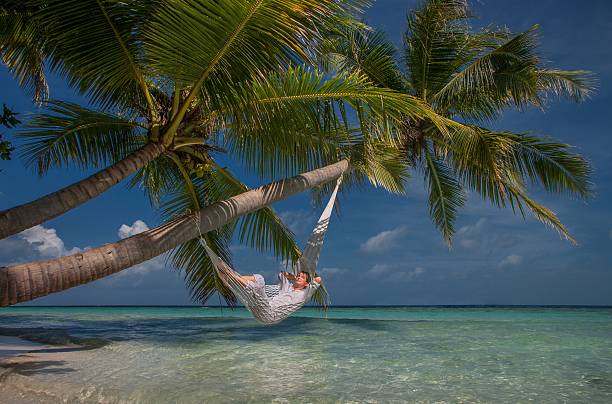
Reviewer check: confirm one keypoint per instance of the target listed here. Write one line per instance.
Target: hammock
(258, 299)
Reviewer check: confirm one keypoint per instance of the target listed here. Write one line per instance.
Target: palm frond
(158, 178)
(284, 153)
(479, 162)
(502, 76)
(302, 88)
(575, 84)
(434, 44)
(446, 195)
(496, 164)
(241, 37)
(96, 44)
(539, 160)
(362, 51)
(549, 163)
(382, 163)
(22, 48)
(321, 298)
(71, 134)
(191, 258)
(540, 212)
(262, 229)
(199, 273)
(283, 124)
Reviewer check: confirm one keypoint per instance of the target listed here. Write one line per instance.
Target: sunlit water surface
(379, 355)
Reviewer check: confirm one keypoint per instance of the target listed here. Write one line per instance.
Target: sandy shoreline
(14, 346)
(18, 354)
(21, 360)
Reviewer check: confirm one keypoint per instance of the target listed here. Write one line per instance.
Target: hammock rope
(260, 301)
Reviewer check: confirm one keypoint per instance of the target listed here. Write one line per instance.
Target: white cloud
(470, 236)
(330, 272)
(137, 273)
(46, 242)
(408, 275)
(383, 241)
(40, 242)
(386, 272)
(511, 260)
(378, 269)
(126, 231)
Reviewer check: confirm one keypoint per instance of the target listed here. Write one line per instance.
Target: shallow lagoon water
(379, 355)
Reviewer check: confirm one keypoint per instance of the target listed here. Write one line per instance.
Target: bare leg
(245, 279)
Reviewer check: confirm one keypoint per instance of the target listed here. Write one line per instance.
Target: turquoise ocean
(349, 355)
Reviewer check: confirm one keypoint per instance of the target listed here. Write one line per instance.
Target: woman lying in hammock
(292, 288)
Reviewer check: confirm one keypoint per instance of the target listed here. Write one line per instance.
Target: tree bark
(30, 214)
(24, 282)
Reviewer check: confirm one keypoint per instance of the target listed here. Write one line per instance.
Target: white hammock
(256, 300)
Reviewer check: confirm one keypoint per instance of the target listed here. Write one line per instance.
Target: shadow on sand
(22, 366)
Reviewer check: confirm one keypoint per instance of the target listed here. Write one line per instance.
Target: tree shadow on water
(249, 330)
(91, 334)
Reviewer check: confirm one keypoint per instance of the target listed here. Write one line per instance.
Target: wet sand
(13, 346)
(21, 358)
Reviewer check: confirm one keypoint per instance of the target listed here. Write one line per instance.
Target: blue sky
(383, 249)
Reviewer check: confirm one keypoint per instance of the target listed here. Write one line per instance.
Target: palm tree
(469, 77)
(271, 125)
(163, 76)
(162, 115)
(25, 282)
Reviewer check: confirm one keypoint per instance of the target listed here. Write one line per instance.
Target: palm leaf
(434, 43)
(22, 48)
(382, 163)
(191, 258)
(548, 162)
(540, 212)
(502, 76)
(548, 217)
(96, 44)
(363, 51)
(495, 165)
(240, 36)
(262, 229)
(199, 272)
(72, 134)
(446, 195)
(157, 179)
(285, 123)
(576, 84)
(303, 88)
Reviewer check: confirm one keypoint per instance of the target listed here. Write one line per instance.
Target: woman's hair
(307, 276)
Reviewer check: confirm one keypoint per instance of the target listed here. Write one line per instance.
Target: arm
(318, 280)
(288, 275)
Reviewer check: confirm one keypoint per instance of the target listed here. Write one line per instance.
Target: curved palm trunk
(30, 214)
(24, 282)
